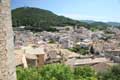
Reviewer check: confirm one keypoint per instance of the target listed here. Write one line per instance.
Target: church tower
(7, 60)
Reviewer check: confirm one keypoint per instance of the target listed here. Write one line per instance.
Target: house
(67, 41)
(113, 55)
(85, 43)
(52, 51)
(97, 35)
(83, 33)
(55, 54)
(36, 51)
(30, 56)
(23, 38)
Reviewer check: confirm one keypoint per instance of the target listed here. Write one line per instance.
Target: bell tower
(7, 60)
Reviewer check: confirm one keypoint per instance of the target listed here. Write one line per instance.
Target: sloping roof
(33, 50)
(87, 61)
(90, 61)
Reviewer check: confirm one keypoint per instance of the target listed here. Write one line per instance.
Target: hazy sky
(100, 10)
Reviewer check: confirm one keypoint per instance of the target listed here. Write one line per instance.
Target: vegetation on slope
(111, 74)
(56, 72)
(39, 19)
(36, 18)
(64, 72)
(98, 26)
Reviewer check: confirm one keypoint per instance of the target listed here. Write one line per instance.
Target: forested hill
(39, 18)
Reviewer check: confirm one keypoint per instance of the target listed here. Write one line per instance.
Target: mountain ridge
(37, 19)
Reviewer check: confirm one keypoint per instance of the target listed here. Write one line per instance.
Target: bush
(28, 74)
(48, 72)
(84, 73)
(111, 74)
(56, 72)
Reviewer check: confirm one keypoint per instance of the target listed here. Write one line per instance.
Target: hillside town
(99, 49)
(59, 40)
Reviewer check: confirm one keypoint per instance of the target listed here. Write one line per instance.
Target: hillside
(88, 21)
(40, 19)
(36, 19)
(114, 23)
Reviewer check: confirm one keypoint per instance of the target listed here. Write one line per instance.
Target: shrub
(48, 72)
(56, 72)
(111, 74)
(28, 74)
(84, 73)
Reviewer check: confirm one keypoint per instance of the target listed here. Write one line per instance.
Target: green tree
(84, 73)
(56, 72)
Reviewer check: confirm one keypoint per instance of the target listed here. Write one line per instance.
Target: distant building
(113, 55)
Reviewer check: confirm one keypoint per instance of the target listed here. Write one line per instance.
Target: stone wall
(7, 60)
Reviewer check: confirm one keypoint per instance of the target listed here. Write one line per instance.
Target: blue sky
(99, 10)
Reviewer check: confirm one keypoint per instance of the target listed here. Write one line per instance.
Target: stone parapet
(7, 60)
